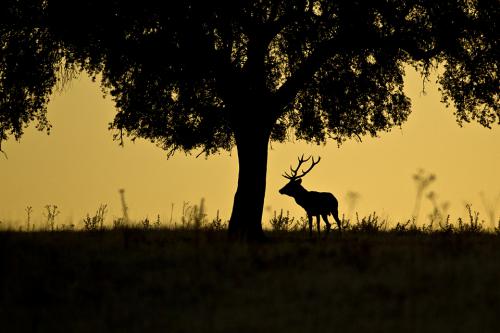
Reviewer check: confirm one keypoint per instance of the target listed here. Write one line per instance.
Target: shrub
(282, 222)
(473, 226)
(216, 224)
(51, 214)
(95, 222)
(370, 224)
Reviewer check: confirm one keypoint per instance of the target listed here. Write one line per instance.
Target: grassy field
(163, 280)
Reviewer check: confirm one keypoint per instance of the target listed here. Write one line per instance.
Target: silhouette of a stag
(315, 203)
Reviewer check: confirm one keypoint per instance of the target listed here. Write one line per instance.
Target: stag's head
(294, 184)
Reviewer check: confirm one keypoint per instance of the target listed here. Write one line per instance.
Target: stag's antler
(301, 159)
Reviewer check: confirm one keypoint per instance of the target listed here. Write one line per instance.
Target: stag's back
(317, 203)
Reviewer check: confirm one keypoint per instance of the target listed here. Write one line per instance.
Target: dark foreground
(187, 281)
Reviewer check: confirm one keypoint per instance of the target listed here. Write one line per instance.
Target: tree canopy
(210, 75)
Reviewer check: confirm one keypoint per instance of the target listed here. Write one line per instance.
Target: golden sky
(79, 166)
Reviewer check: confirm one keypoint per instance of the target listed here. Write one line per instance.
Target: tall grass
(194, 217)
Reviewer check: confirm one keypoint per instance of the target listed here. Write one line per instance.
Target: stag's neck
(300, 194)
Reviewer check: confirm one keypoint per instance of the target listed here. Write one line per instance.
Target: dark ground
(133, 280)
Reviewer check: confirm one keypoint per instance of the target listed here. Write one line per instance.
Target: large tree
(211, 75)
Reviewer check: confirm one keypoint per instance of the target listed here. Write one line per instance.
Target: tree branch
(328, 48)
(305, 72)
(274, 27)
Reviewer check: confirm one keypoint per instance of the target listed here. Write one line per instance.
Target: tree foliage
(29, 59)
(180, 71)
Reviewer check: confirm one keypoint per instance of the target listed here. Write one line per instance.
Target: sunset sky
(78, 166)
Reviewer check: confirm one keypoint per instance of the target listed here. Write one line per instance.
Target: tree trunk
(246, 218)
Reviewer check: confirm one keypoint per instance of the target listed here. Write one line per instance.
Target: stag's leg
(310, 218)
(318, 220)
(328, 225)
(335, 213)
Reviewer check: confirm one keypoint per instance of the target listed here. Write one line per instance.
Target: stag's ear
(299, 181)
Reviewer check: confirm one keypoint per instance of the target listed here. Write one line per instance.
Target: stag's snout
(285, 189)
